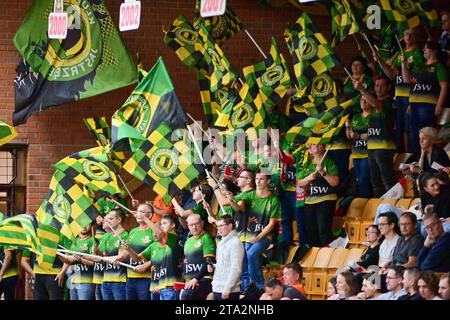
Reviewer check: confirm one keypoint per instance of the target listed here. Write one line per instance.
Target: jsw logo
(110, 266)
(160, 274)
(374, 132)
(193, 267)
(422, 87)
(361, 143)
(318, 190)
(80, 267)
(99, 267)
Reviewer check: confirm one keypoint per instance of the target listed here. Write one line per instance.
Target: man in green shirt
(263, 211)
(200, 253)
(380, 140)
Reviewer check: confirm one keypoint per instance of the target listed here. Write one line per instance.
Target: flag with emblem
(343, 21)
(90, 168)
(152, 102)
(221, 27)
(66, 207)
(164, 165)
(181, 38)
(319, 95)
(270, 78)
(408, 14)
(220, 70)
(85, 64)
(320, 128)
(311, 53)
(7, 133)
(102, 135)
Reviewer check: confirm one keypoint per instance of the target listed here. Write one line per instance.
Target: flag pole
(195, 122)
(399, 45)
(203, 162)
(125, 185)
(123, 207)
(349, 74)
(254, 42)
(91, 256)
(371, 47)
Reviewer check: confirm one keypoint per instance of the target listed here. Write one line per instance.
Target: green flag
(343, 21)
(152, 102)
(165, 166)
(7, 133)
(311, 53)
(92, 59)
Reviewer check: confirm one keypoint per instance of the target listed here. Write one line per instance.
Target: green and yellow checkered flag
(343, 21)
(152, 102)
(408, 14)
(320, 128)
(320, 94)
(89, 168)
(270, 78)
(214, 103)
(7, 133)
(66, 207)
(221, 27)
(181, 38)
(165, 166)
(102, 134)
(220, 70)
(311, 53)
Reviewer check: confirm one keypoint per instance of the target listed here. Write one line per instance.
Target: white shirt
(387, 250)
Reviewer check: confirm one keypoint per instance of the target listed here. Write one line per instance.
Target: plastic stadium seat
(336, 262)
(356, 208)
(353, 254)
(307, 264)
(318, 285)
(370, 208)
(401, 158)
(405, 203)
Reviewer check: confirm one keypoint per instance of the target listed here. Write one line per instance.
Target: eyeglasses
(221, 225)
(383, 224)
(432, 225)
(194, 224)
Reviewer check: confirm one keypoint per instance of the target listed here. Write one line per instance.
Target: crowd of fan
(175, 251)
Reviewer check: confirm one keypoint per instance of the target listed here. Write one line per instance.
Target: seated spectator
(347, 286)
(444, 286)
(371, 256)
(292, 275)
(428, 284)
(435, 253)
(332, 290)
(435, 195)
(369, 290)
(394, 283)
(275, 290)
(387, 223)
(409, 244)
(410, 277)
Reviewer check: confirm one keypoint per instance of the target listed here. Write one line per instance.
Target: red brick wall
(57, 132)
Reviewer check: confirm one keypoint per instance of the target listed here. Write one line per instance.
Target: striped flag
(7, 133)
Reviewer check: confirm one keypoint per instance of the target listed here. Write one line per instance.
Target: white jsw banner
(57, 25)
(130, 15)
(210, 8)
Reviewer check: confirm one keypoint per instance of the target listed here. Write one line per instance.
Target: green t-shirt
(196, 249)
(83, 273)
(359, 125)
(319, 190)
(260, 212)
(105, 206)
(109, 246)
(139, 240)
(381, 126)
(13, 269)
(241, 218)
(166, 261)
(425, 88)
(415, 61)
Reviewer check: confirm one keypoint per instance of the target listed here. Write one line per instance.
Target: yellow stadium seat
(291, 254)
(353, 255)
(309, 258)
(370, 208)
(295, 231)
(318, 285)
(405, 203)
(401, 158)
(356, 208)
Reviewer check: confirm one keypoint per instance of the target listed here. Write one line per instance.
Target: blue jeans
(252, 264)
(168, 293)
(402, 124)
(98, 292)
(82, 291)
(362, 174)
(422, 115)
(233, 296)
(289, 212)
(138, 289)
(114, 291)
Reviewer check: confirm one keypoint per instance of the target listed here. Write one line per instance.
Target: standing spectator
(199, 253)
(347, 286)
(319, 177)
(356, 130)
(444, 40)
(263, 212)
(380, 140)
(428, 90)
(394, 284)
(387, 222)
(8, 271)
(444, 286)
(229, 257)
(409, 244)
(435, 254)
(410, 277)
(428, 284)
(361, 73)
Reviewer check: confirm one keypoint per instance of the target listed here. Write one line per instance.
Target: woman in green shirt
(320, 178)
